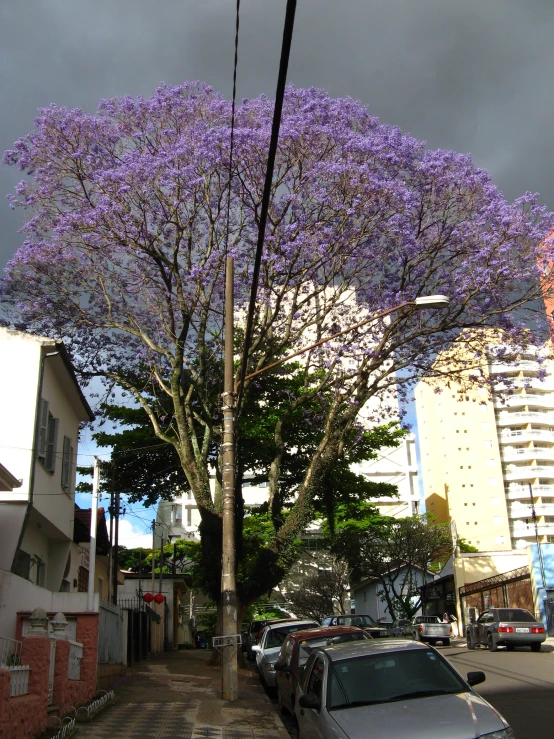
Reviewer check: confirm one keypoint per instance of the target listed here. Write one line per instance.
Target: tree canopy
(396, 553)
(125, 243)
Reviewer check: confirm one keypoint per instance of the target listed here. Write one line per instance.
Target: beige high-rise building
(480, 451)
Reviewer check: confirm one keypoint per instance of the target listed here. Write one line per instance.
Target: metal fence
(109, 634)
(10, 652)
(10, 659)
(75, 657)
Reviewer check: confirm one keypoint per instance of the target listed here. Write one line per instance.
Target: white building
(525, 431)
(41, 407)
(180, 518)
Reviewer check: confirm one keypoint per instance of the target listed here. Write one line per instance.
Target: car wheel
(510, 647)
(491, 644)
(470, 643)
(446, 642)
(416, 636)
(536, 646)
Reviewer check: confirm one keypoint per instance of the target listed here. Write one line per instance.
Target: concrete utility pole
(537, 537)
(230, 627)
(93, 526)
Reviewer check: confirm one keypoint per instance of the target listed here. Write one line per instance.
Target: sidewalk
(178, 695)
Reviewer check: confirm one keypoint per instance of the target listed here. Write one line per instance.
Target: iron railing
(75, 657)
(10, 659)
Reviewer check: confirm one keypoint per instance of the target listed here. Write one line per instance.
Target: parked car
(398, 626)
(362, 621)
(295, 651)
(271, 641)
(430, 629)
(392, 688)
(251, 635)
(509, 627)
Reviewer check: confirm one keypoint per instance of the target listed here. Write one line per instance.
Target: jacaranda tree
(124, 251)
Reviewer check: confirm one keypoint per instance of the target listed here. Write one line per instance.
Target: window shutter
(66, 462)
(51, 444)
(42, 428)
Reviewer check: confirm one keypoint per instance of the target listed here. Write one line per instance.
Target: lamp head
(432, 301)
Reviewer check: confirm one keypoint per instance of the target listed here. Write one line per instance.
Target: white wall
(17, 594)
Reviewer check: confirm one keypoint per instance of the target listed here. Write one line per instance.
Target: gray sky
(471, 75)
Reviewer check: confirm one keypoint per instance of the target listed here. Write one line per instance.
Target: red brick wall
(87, 635)
(25, 716)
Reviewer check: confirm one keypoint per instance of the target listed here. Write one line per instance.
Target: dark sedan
(362, 621)
(509, 627)
(295, 651)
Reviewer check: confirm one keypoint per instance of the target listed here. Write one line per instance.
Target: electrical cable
(277, 112)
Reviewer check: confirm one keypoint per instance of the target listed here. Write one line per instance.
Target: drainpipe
(33, 458)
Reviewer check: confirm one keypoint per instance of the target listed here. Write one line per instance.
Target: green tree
(394, 553)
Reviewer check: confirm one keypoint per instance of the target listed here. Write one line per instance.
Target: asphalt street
(519, 684)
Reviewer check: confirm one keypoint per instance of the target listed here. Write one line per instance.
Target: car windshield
(361, 621)
(515, 614)
(383, 678)
(276, 637)
(308, 645)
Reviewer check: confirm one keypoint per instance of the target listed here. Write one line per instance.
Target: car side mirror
(306, 701)
(281, 667)
(475, 678)
(255, 648)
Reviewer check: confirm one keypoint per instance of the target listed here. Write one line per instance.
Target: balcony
(498, 368)
(520, 401)
(521, 492)
(524, 510)
(526, 454)
(529, 473)
(505, 418)
(522, 435)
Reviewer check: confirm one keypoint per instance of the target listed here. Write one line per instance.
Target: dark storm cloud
(474, 76)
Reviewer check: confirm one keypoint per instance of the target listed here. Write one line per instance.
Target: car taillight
(451, 629)
(505, 629)
(420, 628)
(537, 629)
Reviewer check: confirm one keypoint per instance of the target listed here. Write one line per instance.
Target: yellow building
(480, 450)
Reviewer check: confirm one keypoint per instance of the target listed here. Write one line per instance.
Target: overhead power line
(277, 112)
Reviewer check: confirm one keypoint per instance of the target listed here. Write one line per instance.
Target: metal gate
(109, 634)
(51, 670)
(508, 590)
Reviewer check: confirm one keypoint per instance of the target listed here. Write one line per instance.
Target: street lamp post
(230, 626)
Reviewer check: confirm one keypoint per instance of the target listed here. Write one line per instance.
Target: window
(22, 564)
(67, 457)
(500, 540)
(315, 682)
(485, 426)
(498, 520)
(490, 462)
(47, 437)
(493, 481)
(82, 581)
(189, 516)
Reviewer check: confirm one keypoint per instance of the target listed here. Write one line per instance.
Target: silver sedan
(509, 627)
(391, 689)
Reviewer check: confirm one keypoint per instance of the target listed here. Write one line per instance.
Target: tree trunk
(215, 656)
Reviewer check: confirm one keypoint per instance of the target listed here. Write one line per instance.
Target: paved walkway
(178, 695)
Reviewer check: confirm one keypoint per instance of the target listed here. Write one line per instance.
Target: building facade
(483, 452)
(41, 409)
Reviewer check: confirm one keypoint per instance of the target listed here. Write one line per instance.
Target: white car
(271, 641)
(391, 689)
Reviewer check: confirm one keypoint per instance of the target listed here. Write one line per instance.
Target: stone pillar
(59, 624)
